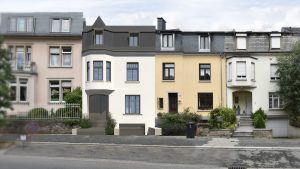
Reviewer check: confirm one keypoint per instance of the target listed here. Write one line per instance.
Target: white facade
(252, 92)
(118, 87)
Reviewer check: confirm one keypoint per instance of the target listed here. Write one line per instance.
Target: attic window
(133, 39)
(241, 41)
(275, 41)
(98, 37)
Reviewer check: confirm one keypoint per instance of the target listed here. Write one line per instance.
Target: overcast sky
(188, 15)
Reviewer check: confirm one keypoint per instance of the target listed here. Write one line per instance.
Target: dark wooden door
(173, 102)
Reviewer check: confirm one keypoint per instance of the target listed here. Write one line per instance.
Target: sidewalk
(178, 141)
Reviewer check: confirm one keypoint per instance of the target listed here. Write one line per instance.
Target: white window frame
(239, 38)
(60, 56)
(241, 76)
(272, 96)
(63, 55)
(274, 77)
(162, 41)
(199, 44)
(252, 71)
(27, 27)
(17, 84)
(60, 25)
(273, 38)
(230, 71)
(23, 85)
(60, 90)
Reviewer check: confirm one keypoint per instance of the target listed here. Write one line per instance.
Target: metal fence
(61, 112)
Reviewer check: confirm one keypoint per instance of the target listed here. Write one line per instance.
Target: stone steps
(245, 128)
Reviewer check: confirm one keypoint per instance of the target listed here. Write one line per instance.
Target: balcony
(22, 67)
(241, 83)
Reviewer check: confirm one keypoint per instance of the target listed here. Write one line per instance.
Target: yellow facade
(187, 84)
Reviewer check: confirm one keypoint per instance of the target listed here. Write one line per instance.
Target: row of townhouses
(135, 72)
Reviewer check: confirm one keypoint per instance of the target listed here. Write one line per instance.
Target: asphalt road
(72, 156)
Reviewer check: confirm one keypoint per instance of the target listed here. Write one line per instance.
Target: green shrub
(38, 113)
(85, 123)
(110, 125)
(75, 96)
(68, 112)
(175, 123)
(2, 122)
(261, 112)
(160, 114)
(72, 123)
(258, 121)
(295, 121)
(228, 115)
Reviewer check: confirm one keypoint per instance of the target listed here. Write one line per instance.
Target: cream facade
(187, 84)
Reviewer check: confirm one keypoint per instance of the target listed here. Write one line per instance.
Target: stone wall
(35, 127)
(262, 133)
(220, 132)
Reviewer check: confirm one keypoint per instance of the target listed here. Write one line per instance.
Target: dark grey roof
(291, 30)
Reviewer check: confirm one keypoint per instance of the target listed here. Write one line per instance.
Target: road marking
(169, 146)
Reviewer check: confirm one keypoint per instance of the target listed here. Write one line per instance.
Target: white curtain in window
(241, 68)
(13, 25)
(21, 24)
(65, 25)
(55, 25)
(29, 24)
(274, 70)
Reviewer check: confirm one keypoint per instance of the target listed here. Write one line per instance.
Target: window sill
(167, 49)
(241, 79)
(60, 67)
(241, 49)
(280, 109)
(204, 81)
(204, 110)
(132, 114)
(97, 81)
(204, 50)
(168, 80)
(108, 81)
(274, 80)
(132, 82)
(56, 102)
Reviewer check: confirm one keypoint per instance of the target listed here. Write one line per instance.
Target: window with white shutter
(241, 41)
(273, 72)
(241, 70)
(275, 41)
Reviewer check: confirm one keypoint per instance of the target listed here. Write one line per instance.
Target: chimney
(161, 24)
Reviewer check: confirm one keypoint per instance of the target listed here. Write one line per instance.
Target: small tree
(5, 76)
(289, 83)
(74, 96)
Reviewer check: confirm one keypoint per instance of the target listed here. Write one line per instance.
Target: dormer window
(275, 40)
(241, 41)
(204, 43)
(167, 42)
(21, 24)
(98, 37)
(133, 39)
(60, 25)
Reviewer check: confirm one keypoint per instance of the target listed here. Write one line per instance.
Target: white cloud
(254, 15)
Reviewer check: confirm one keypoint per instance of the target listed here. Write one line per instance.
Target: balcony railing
(29, 67)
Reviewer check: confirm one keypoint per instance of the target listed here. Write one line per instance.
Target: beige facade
(38, 73)
(187, 84)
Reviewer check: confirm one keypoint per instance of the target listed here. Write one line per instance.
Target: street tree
(289, 83)
(5, 76)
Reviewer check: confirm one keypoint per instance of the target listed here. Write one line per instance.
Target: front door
(173, 102)
(98, 106)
